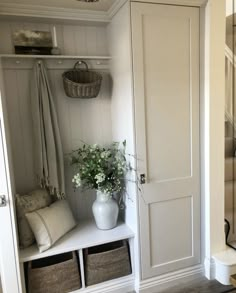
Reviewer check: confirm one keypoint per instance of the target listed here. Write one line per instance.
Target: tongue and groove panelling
(79, 120)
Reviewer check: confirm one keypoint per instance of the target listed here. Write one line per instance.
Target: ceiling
(102, 5)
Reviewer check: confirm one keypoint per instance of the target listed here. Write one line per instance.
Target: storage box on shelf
(106, 262)
(58, 273)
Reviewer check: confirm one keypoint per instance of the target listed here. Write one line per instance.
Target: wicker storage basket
(107, 262)
(82, 84)
(56, 274)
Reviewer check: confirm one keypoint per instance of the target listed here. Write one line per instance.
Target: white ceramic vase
(105, 211)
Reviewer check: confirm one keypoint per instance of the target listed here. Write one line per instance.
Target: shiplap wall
(79, 120)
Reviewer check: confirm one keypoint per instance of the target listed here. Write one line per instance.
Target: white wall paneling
(79, 120)
(122, 110)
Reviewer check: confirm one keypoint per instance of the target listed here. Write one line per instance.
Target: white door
(9, 269)
(166, 90)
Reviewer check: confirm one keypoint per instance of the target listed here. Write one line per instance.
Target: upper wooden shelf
(85, 235)
(18, 56)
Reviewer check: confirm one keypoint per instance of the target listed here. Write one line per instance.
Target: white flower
(100, 177)
(105, 154)
(77, 180)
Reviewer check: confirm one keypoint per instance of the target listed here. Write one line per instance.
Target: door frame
(212, 127)
(7, 164)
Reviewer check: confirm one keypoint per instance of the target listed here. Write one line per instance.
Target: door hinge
(3, 201)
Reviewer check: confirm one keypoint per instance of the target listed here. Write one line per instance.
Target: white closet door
(9, 267)
(166, 90)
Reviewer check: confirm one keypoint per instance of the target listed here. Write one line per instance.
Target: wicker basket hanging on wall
(82, 83)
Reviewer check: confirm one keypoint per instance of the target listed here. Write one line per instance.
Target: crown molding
(197, 3)
(58, 13)
(115, 7)
(37, 11)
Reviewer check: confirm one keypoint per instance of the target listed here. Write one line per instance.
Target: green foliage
(100, 168)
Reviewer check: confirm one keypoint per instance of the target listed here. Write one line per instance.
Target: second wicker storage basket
(82, 83)
(107, 262)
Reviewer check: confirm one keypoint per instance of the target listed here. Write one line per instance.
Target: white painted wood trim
(37, 11)
(54, 64)
(5, 132)
(214, 116)
(167, 280)
(83, 236)
(22, 278)
(197, 3)
(82, 271)
(209, 268)
(53, 57)
(121, 285)
(116, 7)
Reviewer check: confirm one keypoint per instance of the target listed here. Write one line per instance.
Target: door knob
(3, 201)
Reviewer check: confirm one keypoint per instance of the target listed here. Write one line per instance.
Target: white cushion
(51, 223)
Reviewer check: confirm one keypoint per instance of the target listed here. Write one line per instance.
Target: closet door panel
(166, 90)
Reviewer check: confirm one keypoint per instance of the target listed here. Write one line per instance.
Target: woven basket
(56, 274)
(107, 262)
(82, 84)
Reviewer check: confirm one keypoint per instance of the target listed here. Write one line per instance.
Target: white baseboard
(153, 285)
(209, 265)
(121, 285)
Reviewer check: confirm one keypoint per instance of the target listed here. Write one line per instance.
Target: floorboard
(199, 285)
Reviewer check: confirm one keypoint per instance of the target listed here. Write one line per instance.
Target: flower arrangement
(100, 168)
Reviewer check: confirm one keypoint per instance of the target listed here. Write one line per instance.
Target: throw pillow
(51, 223)
(35, 200)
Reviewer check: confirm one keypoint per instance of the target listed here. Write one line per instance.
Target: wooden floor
(199, 285)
